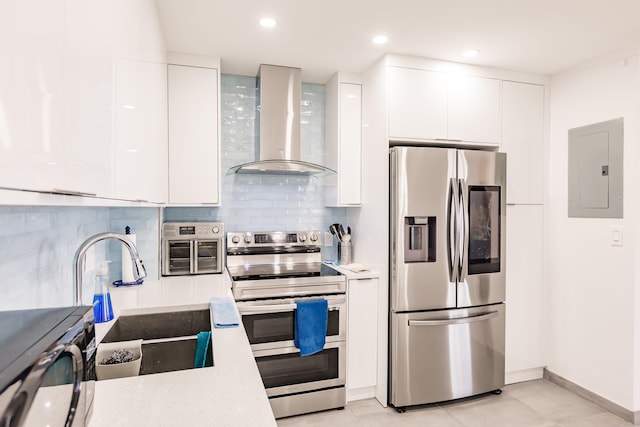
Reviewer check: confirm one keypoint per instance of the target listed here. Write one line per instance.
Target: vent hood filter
(281, 167)
(278, 126)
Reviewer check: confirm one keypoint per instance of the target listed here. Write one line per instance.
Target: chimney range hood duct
(278, 126)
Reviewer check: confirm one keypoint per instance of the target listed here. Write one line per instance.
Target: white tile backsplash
(37, 246)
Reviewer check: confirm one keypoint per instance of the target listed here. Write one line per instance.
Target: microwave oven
(192, 248)
(47, 367)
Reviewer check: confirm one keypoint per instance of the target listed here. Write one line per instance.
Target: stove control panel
(192, 230)
(274, 239)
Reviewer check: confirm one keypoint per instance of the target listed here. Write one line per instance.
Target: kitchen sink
(169, 339)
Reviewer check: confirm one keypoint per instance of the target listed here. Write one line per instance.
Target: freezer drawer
(446, 354)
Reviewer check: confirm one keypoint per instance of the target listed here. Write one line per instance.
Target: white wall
(590, 286)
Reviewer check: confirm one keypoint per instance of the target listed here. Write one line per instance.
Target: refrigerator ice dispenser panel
(420, 239)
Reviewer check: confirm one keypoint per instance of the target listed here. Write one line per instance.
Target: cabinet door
(473, 109)
(32, 95)
(89, 98)
(350, 145)
(524, 288)
(417, 104)
(362, 336)
(141, 131)
(523, 141)
(193, 135)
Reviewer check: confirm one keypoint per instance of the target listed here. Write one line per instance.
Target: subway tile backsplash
(37, 244)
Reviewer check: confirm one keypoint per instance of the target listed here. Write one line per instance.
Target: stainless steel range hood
(278, 126)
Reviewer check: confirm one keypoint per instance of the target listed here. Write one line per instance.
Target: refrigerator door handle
(457, 321)
(463, 230)
(452, 241)
(192, 257)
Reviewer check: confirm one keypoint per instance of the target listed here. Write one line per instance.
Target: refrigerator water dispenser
(420, 239)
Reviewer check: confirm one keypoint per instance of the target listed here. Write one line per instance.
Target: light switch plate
(328, 239)
(616, 236)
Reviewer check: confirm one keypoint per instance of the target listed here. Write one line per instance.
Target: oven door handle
(266, 308)
(273, 308)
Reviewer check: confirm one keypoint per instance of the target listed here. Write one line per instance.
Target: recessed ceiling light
(268, 22)
(380, 39)
(470, 53)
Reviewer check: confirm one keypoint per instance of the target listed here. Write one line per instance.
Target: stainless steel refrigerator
(447, 268)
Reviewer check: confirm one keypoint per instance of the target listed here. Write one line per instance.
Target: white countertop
(369, 274)
(230, 393)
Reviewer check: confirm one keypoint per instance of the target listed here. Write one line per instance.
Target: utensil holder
(344, 252)
(118, 370)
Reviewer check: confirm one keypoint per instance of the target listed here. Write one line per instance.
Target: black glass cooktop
(262, 272)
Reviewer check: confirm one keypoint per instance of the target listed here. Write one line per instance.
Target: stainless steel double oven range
(271, 271)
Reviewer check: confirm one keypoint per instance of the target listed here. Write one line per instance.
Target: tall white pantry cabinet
(523, 141)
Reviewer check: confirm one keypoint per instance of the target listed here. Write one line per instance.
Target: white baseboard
(614, 408)
(360, 393)
(524, 375)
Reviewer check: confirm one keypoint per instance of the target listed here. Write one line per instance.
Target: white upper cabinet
(429, 105)
(32, 117)
(473, 109)
(88, 93)
(194, 150)
(141, 131)
(417, 104)
(343, 142)
(523, 141)
(66, 74)
(140, 104)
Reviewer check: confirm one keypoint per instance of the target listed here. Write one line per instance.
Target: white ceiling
(325, 36)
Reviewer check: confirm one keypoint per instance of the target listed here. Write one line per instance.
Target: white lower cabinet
(362, 338)
(524, 292)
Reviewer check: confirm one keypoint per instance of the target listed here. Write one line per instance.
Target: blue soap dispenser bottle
(102, 308)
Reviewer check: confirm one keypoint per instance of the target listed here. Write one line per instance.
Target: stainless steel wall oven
(271, 272)
(192, 248)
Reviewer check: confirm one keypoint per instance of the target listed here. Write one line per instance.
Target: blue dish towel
(202, 348)
(224, 313)
(310, 326)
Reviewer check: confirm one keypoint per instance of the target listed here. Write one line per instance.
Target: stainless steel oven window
(287, 369)
(283, 371)
(270, 323)
(274, 327)
(207, 255)
(179, 256)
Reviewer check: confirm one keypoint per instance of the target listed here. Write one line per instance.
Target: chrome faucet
(78, 261)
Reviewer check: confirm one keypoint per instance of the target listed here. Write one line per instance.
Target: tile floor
(536, 403)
